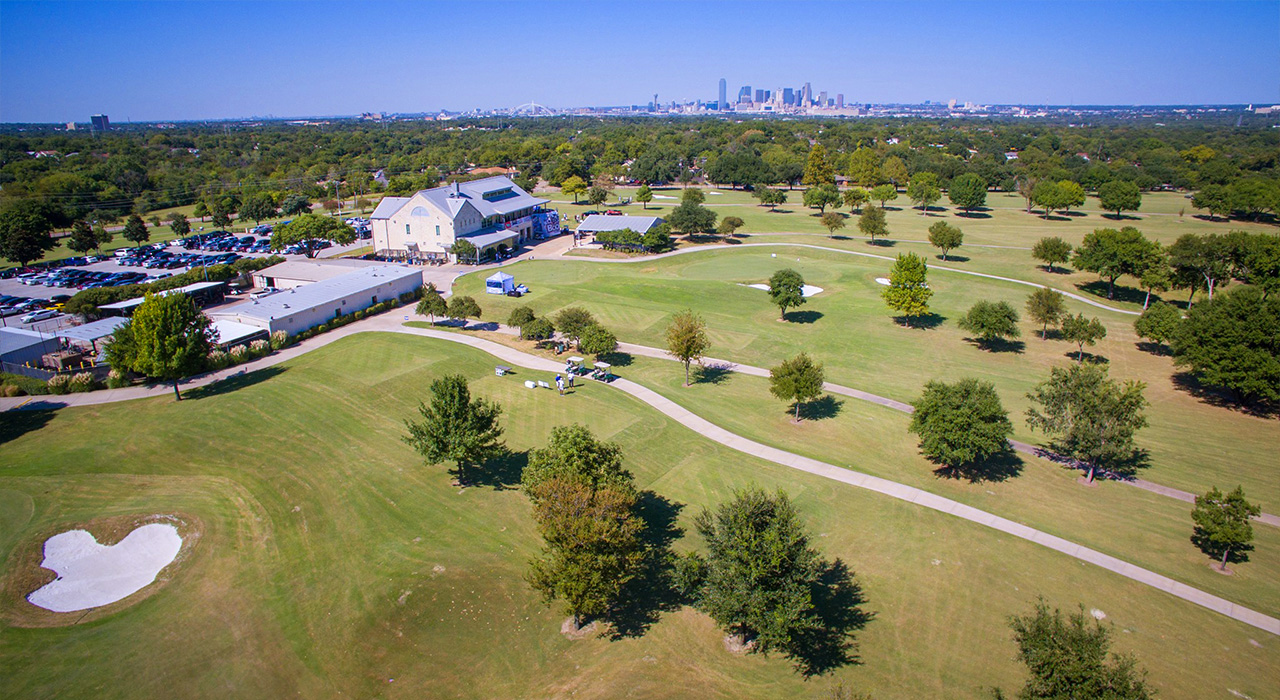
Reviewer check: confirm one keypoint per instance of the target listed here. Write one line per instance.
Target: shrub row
(72, 383)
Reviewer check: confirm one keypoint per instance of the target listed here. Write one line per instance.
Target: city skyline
(63, 62)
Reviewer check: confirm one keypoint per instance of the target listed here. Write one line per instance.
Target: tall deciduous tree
(597, 340)
(135, 230)
(308, 230)
(817, 171)
(1088, 416)
(432, 304)
(571, 322)
(1048, 195)
(821, 196)
(179, 225)
(786, 290)
(1233, 342)
(574, 186)
(456, 427)
(797, 380)
(883, 193)
(924, 191)
(1050, 250)
(894, 170)
(596, 195)
(991, 321)
(82, 239)
(593, 546)
(864, 168)
(1222, 524)
(1159, 323)
(520, 316)
(258, 207)
(687, 339)
(1082, 331)
(855, 197)
(1201, 262)
(908, 292)
(872, 222)
(1046, 307)
(644, 195)
(962, 423)
(1119, 196)
(968, 192)
(1112, 253)
(833, 222)
(945, 237)
(167, 339)
(760, 570)
(574, 454)
(1069, 658)
(1072, 194)
(294, 204)
(461, 308)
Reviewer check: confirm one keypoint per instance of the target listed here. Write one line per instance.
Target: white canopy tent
(499, 283)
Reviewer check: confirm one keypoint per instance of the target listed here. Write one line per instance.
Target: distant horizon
(64, 61)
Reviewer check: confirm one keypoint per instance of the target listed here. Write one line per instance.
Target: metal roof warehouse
(300, 308)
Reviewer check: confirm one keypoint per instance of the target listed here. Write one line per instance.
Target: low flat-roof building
(293, 273)
(490, 213)
(602, 222)
(21, 346)
(228, 333)
(203, 293)
(303, 307)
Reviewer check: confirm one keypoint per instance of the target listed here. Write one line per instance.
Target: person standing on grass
(560, 384)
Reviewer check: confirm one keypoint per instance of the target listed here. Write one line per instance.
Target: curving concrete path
(392, 322)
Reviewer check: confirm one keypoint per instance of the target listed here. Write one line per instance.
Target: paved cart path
(393, 322)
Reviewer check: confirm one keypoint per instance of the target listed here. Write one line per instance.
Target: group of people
(560, 383)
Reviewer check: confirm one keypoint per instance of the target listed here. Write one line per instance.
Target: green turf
(1193, 445)
(333, 562)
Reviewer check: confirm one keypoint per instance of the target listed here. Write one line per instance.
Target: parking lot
(25, 293)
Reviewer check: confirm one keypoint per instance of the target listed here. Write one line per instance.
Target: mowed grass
(997, 241)
(1192, 445)
(332, 562)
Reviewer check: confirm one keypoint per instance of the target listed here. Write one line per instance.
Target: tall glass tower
(723, 104)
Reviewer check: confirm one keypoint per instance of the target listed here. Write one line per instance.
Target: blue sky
(62, 61)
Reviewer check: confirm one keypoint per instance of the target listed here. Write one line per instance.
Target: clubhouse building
(494, 214)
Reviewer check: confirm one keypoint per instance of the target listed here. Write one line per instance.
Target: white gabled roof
(603, 222)
(388, 206)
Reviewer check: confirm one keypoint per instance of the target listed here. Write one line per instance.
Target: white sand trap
(883, 280)
(663, 196)
(91, 575)
(716, 193)
(807, 290)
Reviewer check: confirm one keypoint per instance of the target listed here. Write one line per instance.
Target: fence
(99, 372)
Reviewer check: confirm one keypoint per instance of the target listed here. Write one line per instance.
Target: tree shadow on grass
(644, 598)
(716, 374)
(1056, 270)
(832, 643)
(822, 408)
(780, 211)
(1124, 469)
(617, 359)
(839, 237)
(1239, 553)
(1087, 356)
(805, 317)
(1098, 288)
(28, 419)
(883, 243)
(1120, 217)
(952, 258)
(503, 471)
(240, 380)
(1002, 466)
(999, 345)
(973, 215)
(928, 321)
(1222, 398)
(483, 326)
(1153, 348)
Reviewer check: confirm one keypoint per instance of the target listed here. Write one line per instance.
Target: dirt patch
(23, 573)
(569, 630)
(734, 644)
(1084, 481)
(1218, 569)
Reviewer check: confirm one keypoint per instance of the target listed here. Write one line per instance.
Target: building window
(437, 229)
(406, 229)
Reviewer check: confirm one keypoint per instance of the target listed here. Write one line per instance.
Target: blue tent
(499, 283)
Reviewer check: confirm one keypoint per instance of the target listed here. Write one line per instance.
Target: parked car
(39, 315)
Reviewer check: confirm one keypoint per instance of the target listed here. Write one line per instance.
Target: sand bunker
(664, 196)
(91, 575)
(883, 280)
(807, 290)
